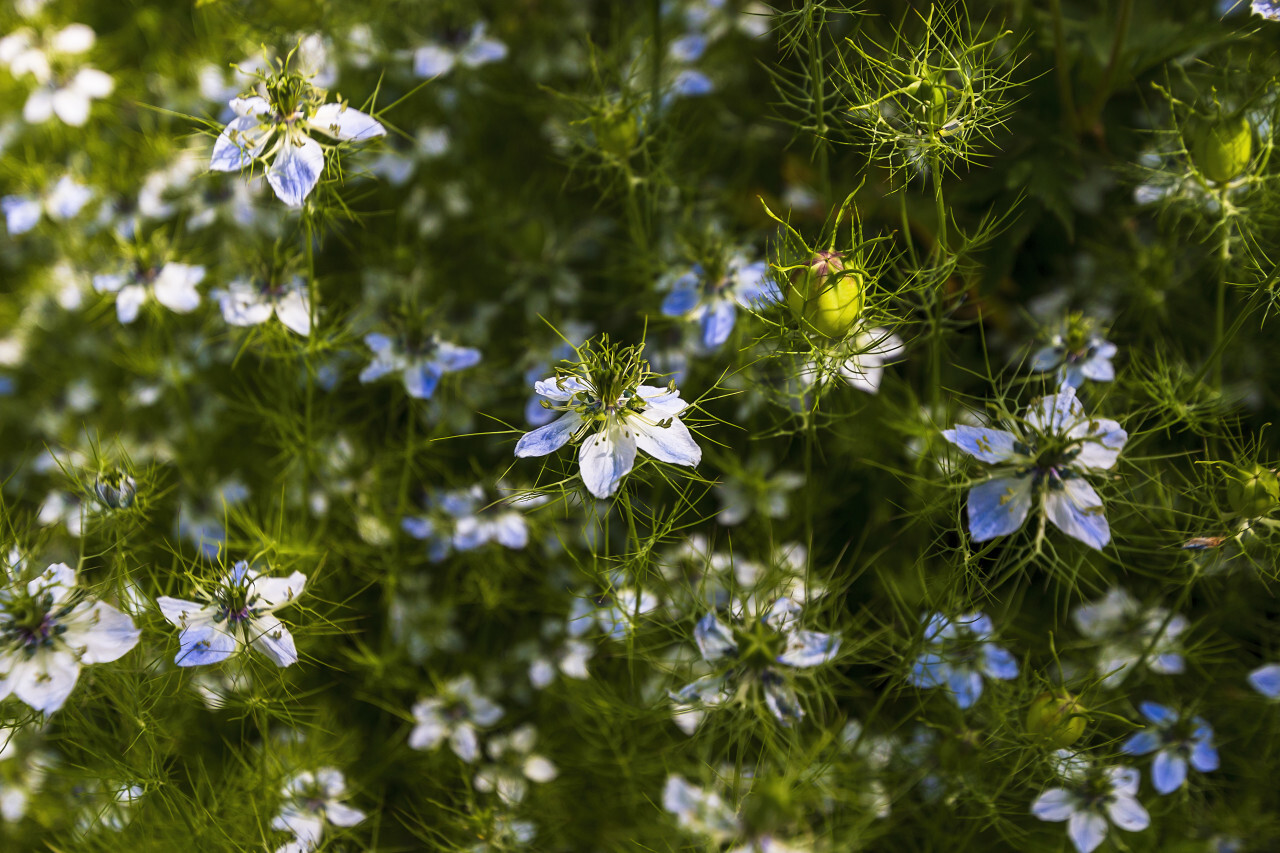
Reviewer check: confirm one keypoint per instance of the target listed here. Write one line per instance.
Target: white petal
(253, 106)
(240, 141)
(46, 680)
(539, 769)
(279, 591)
(73, 38)
(129, 301)
(72, 106)
(342, 122)
(1055, 804)
(175, 287)
(296, 170)
(243, 305)
(605, 458)
(671, 443)
(104, 632)
(274, 640)
(39, 106)
(295, 312)
(92, 83)
(340, 814)
(181, 612)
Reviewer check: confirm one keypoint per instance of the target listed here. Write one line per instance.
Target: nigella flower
(1266, 680)
(49, 629)
(284, 112)
(67, 198)
(461, 521)
(454, 715)
(608, 408)
(1077, 354)
(1176, 741)
(173, 285)
(712, 299)
(1126, 634)
(958, 653)
(239, 611)
(513, 765)
(760, 649)
(312, 802)
(699, 810)
(248, 302)
(616, 612)
(434, 58)
(1049, 458)
(1092, 804)
(59, 92)
(420, 365)
(1269, 9)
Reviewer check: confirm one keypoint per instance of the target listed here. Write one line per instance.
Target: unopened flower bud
(1253, 491)
(116, 489)
(1058, 717)
(1222, 149)
(616, 132)
(826, 296)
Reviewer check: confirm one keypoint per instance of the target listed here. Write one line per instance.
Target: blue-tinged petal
(1098, 367)
(998, 507)
(998, 663)
(1055, 804)
(242, 140)
(1204, 757)
(687, 48)
(432, 60)
(691, 83)
(296, 169)
(965, 686)
(755, 289)
(938, 625)
(1128, 814)
(21, 213)
(1086, 830)
(809, 648)
(1168, 771)
(204, 644)
(1055, 413)
(976, 625)
(1102, 441)
(929, 670)
(1266, 680)
(1072, 376)
(449, 357)
(714, 639)
(1161, 715)
(1047, 358)
(717, 322)
(417, 526)
(549, 438)
(987, 445)
(1141, 743)
(480, 49)
(605, 458)
(680, 302)
(536, 414)
(1075, 509)
(421, 379)
(782, 701)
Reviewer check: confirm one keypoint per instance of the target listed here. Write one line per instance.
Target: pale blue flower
(1126, 634)
(1268, 9)
(1074, 366)
(1093, 804)
(958, 654)
(755, 650)
(1049, 459)
(173, 285)
(435, 59)
(454, 715)
(420, 367)
(1176, 741)
(1266, 680)
(460, 520)
(238, 612)
(714, 304)
(296, 160)
(67, 198)
(313, 801)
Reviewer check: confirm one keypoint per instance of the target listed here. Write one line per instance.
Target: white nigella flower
(248, 302)
(275, 125)
(454, 715)
(239, 611)
(48, 629)
(607, 407)
(67, 198)
(1127, 634)
(173, 285)
(312, 802)
(514, 765)
(1089, 806)
(61, 90)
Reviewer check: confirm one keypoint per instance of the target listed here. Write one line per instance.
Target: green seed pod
(1222, 149)
(933, 94)
(616, 132)
(826, 296)
(1253, 491)
(1058, 717)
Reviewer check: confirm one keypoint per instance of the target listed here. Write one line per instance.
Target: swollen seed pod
(616, 132)
(1057, 717)
(1223, 148)
(825, 295)
(1253, 491)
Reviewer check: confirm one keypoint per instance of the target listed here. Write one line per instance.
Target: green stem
(1061, 69)
(1113, 65)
